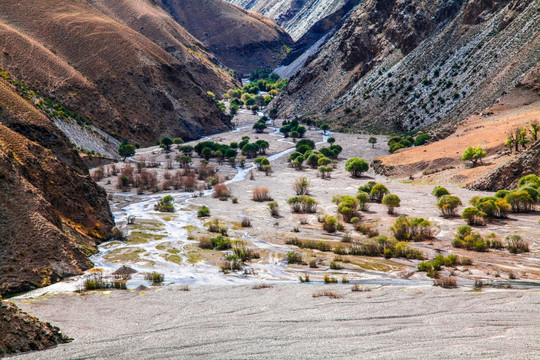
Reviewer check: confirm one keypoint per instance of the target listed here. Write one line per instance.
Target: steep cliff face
(21, 332)
(111, 75)
(52, 214)
(402, 65)
(243, 40)
(295, 16)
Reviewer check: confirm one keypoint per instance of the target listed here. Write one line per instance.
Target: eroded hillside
(52, 215)
(243, 40)
(402, 65)
(295, 16)
(114, 77)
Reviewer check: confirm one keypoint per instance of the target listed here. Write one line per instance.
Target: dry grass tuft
(262, 286)
(327, 293)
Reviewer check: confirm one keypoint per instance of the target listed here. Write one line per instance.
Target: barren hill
(243, 40)
(52, 214)
(402, 65)
(111, 75)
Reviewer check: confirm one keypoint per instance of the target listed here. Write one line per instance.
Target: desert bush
(448, 205)
(274, 208)
(473, 216)
(204, 211)
(220, 242)
(327, 293)
(468, 239)
(358, 288)
(412, 229)
(377, 193)
(302, 204)
(366, 229)
(246, 222)
(165, 204)
(516, 244)
(301, 186)
(304, 279)
(330, 224)
(531, 180)
(262, 286)
(347, 207)
(243, 253)
(356, 166)
(391, 201)
(222, 192)
(335, 266)
(520, 201)
(440, 191)
(329, 279)
(294, 258)
(261, 194)
(213, 226)
(155, 277)
(363, 200)
(446, 283)
(313, 263)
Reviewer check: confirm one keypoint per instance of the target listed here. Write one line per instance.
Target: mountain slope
(295, 16)
(112, 76)
(402, 65)
(156, 24)
(242, 40)
(52, 214)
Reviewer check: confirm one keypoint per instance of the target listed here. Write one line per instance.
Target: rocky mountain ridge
(403, 65)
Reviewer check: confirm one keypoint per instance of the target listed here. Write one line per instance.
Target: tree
(325, 171)
(356, 166)
(391, 201)
(206, 153)
(313, 160)
(263, 146)
(250, 150)
(166, 143)
(535, 127)
(273, 113)
(331, 140)
(259, 127)
(183, 159)
(474, 155)
(325, 127)
(301, 131)
(186, 150)
(261, 162)
(377, 192)
(297, 163)
(448, 205)
(126, 150)
(178, 141)
(295, 135)
(372, 140)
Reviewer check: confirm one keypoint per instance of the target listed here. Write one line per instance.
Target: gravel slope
(286, 321)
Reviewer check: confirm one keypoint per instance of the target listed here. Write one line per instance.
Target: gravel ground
(286, 322)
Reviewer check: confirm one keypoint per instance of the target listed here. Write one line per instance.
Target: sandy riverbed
(286, 322)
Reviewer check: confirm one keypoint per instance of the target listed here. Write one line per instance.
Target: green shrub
(520, 201)
(204, 211)
(473, 216)
(439, 191)
(468, 239)
(220, 242)
(377, 192)
(391, 201)
(516, 244)
(302, 204)
(356, 166)
(448, 205)
(155, 277)
(294, 258)
(412, 229)
(165, 204)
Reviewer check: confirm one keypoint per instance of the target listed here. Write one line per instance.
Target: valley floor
(399, 314)
(287, 322)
